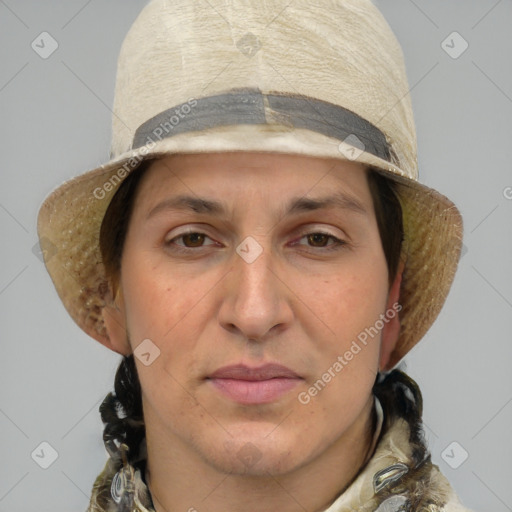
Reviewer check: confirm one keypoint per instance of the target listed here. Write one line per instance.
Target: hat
(321, 78)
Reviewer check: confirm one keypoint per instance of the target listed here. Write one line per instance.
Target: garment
(390, 482)
(394, 479)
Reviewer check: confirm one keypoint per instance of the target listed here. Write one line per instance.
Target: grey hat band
(251, 106)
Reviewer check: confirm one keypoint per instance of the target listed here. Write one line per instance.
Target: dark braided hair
(122, 412)
(401, 397)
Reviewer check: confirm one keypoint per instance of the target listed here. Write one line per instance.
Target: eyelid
(338, 242)
(188, 231)
(320, 228)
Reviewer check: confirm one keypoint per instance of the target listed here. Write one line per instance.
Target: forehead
(244, 176)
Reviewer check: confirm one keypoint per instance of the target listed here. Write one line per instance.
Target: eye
(191, 240)
(195, 240)
(319, 239)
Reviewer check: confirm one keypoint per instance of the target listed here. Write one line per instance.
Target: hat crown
(339, 51)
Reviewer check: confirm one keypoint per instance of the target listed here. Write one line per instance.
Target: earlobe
(391, 330)
(115, 324)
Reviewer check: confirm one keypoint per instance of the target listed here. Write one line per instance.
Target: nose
(256, 297)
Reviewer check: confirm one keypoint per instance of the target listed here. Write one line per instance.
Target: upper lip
(244, 372)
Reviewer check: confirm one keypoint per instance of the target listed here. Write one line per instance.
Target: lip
(254, 385)
(255, 373)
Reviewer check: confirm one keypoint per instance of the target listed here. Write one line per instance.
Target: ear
(114, 318)
(391, 329)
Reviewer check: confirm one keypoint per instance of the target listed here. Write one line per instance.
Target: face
(257, 279)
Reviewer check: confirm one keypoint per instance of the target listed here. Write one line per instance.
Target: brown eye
(318, 238)
(195, 239)
(188, 241)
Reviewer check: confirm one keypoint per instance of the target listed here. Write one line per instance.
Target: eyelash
(338, 243)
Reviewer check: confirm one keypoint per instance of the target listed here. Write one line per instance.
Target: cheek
(348, 302)
(171, 308)
(157, 301)
(348, 355)
(163, 307)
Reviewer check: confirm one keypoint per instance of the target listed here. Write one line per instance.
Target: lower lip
(255, 392)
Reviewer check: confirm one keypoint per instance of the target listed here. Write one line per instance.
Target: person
(260, 252)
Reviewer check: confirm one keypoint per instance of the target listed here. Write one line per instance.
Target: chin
(257, 454)
(249, 459)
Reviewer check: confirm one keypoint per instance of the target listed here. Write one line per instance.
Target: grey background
(55, 123)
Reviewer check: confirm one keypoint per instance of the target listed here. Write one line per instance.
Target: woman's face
(244, 260)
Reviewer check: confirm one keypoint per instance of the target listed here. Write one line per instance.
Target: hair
(122, 411)
(388, 212)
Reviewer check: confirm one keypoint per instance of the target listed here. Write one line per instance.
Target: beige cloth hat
(321, 78)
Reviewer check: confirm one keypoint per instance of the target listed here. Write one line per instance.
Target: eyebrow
(296, 205)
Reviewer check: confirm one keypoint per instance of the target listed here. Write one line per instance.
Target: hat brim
(70, 218)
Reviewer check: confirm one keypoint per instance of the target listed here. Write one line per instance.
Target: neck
(180, 480)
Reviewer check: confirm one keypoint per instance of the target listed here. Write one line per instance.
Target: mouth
(254, 385)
